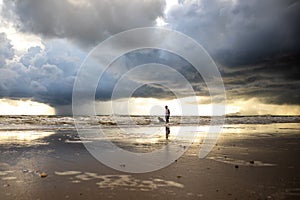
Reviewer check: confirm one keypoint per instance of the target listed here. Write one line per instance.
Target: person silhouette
(167, 114)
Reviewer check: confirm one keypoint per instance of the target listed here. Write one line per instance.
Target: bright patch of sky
(24, 107)
(21, 41)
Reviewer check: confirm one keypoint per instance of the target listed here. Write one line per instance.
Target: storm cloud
(255, 44)
(240, 32)
(158, 81)
(44, 75)
(86, 22)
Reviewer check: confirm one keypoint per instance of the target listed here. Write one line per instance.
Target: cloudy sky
(255, 45)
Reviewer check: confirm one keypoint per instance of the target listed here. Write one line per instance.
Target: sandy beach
(248, 162)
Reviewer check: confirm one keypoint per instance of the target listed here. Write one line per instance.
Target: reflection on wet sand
(167, 131)
(265, 156)
(28, 138)
(232, 161)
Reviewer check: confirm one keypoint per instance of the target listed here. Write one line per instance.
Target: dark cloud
(275, 81)
(255, 43)
(156, 83)
(240, 32)
(86, 22)
(45, 75)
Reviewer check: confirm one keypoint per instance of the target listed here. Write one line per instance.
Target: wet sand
(248, 165)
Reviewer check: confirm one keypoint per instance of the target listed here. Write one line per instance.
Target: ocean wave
(68, 122)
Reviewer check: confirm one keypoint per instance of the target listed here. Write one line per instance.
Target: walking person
(167, 114)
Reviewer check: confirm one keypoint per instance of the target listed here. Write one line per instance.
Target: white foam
(3, 173)
(123, 180)
(67, 173)
(9, 178)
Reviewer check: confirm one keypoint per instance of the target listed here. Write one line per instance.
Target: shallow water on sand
(254, 158)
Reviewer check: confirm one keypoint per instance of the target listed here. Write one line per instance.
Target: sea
(53, 122)
(31, 130)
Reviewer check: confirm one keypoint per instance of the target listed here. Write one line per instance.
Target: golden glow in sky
(255, 107)
(24, 107)
(152, 106)
(241, 107)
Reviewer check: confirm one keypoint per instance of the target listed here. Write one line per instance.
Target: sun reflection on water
(24, 137)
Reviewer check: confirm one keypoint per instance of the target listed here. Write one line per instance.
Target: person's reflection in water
(167, 131)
